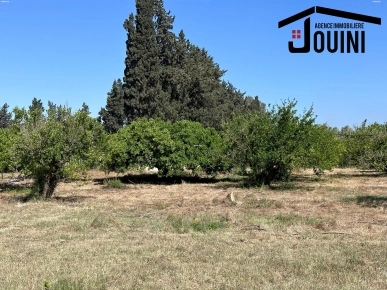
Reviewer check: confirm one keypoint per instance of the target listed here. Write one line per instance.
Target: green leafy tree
(166, 146)
(198, 148)
(326, 151)
(61, 112)
(143, 143)
(347, 158)
(45, 145)
(275, 142)
(376, 153)
(366, 146)
(7, 140)
(113, 116)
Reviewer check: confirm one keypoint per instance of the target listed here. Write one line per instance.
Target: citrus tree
(326, 150)
(366, 146)
(47, 143)
(198, 148)
(170, 147)
(143, 143)
(273, 143)
(6, 142)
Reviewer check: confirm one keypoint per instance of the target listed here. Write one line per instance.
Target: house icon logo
(349, 33)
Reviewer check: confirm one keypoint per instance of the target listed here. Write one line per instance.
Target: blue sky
(70, 52)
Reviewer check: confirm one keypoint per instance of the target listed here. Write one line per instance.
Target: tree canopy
(171, 147)
(275, 142)
(47, 143)
(168, 77)
(366, 146)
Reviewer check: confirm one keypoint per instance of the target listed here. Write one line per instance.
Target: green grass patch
(18, 189)
(68, 284)
(114, 183)
(250, 202)
(100, 222)
(292, 219)
(281, 220)
(202, 224)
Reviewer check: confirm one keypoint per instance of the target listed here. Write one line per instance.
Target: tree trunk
(51, 181)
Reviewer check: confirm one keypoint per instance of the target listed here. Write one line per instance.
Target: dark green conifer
(170, 78)
(5, 116)
(113, 116)
(143, 94)
(37, 110)
(85, 108)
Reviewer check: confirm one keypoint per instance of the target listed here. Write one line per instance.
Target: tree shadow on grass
(374, 174)
(227, 185)
(288, 186)
(72, 199)
(24, 198)
(155, 179)
(368, 200)
(371, 200)
(312, 178)
(308, 178)
(275, 186)
(22, 193)
(297, 183)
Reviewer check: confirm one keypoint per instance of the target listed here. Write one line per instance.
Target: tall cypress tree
(164, 36)
(170, 78)
(113, 116)
(142, 73)
(5, 116)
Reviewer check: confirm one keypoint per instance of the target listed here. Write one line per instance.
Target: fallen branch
(337, 233)
(252, 228)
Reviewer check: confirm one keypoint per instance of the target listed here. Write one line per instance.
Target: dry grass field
(315, 233)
